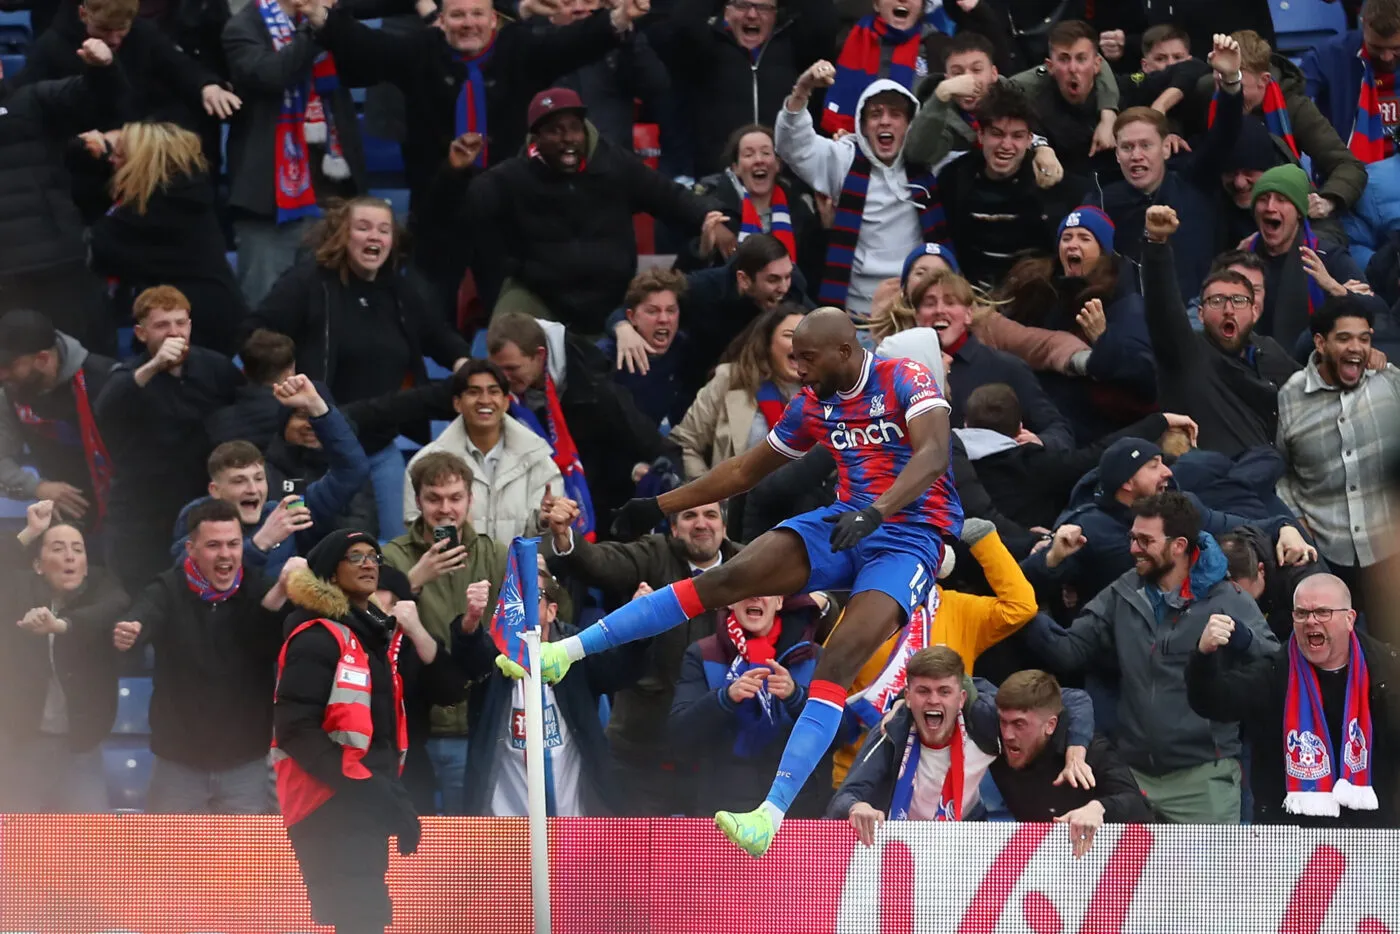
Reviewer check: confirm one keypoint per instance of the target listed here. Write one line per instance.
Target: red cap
(552, 101)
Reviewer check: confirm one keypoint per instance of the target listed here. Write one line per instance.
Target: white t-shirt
(511, 796)
(933, 769)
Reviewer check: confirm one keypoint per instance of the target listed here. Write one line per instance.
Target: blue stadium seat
(15, 509)
(382, 156)
(398, 197)
(589, 615)
(435, 369)
(407, 445)
(479, 344)
(133, 707)
(127, 767)
(124, 343)
(604, 710)
(436, 427)
(232, 258)
(12, 64)
(1302, 24)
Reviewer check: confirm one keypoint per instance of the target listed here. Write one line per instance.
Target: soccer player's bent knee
(837, 669)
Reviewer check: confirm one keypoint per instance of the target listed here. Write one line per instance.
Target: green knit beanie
(1289, 181)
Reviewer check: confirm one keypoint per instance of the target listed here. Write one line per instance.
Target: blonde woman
(747, 394)
(1042, 349)
(162, 229)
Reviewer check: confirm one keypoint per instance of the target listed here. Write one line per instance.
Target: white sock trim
(573, 648)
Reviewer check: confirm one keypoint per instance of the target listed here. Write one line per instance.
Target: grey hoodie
(15, 481)
(891, 226)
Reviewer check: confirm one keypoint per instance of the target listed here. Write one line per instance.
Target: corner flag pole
(534, 762)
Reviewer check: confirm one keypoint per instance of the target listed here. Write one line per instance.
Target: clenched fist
(1219, 629)
(1161, 222)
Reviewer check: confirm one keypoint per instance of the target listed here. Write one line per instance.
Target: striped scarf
(305, 118)
(1367, 141)
(875, 700)
(950, 798)
(779, 219)
(859, 64)
(1316, 296)
(99, 463)
(850, 210)
(770, 402)
(556, 432)
(199, 584)
(470, 111)
(1314, 784)
(1275, 115)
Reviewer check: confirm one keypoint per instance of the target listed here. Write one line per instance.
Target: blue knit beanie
(1093, 220)
(927, 249)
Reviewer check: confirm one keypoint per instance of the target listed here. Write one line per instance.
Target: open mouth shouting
(1074, 261)
(250, 508)
(884, 140)
(569, 158)
(1350, 366)
(902, 16)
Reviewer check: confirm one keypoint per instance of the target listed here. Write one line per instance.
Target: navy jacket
(1191, 186)
(1106, 523)
(1333, 75)
(735, 746)
(872, 777)
(975, 364)
(576, 696)
(348, 470)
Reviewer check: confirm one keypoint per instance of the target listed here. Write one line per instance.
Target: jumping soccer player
(887, 426)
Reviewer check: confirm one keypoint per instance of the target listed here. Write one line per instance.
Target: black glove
(851, 527)
(404, 821)
(636, 518)
(409, 833)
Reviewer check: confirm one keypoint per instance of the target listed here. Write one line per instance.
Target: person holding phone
(276, 529)
(442, 553)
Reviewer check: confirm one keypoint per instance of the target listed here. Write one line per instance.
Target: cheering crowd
(1153, 263)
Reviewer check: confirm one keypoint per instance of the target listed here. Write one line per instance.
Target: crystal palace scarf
(1313, 783)
(859, 64)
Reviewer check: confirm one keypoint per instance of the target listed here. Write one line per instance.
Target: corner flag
(518, 608)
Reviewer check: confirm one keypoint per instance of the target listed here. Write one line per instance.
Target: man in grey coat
(1144, 626)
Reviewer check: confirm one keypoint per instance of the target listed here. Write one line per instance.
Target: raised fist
(1161, 222)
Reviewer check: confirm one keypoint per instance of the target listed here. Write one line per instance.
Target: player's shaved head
(827, 327)
(828, 355)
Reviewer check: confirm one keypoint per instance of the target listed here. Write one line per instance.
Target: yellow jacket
(966, 623)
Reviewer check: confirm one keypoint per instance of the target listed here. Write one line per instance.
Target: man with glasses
(1143, 626)
(1224, 376)
(1336, 432)
(735, 69)
(1320, 719)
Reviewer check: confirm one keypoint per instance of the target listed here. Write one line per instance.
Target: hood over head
(881, 86)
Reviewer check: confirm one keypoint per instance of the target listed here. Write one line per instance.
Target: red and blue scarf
(99, 464)
(850, 211)
(200, 584)
(779, 219)
(872, 703)
(859, 64)
(757, 721)
(305, 118)
(1275, 115)
(770, 402)
(556, 432)
(1314, 784)
(471, 99)
(1316, 297)
(950, 799)
(1368, 137)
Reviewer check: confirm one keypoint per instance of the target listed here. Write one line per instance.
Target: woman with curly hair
(362, 324)
(162, 229)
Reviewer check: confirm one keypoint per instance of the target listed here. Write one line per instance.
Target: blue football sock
(646, 616)
(810, 739)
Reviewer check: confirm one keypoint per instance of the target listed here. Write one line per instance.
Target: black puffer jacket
(39, 226)
(568, 237)
(721, 85)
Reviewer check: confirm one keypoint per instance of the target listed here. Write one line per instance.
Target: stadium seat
(436, 370)
(15, 36)
(124, 343)
(382, 156)
(133, 707)
(127, 767)
(407, 445)
(1302, 24)
(479, 344)
(13, 64)
(398, 197)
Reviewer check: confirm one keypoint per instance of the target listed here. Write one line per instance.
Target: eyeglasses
(1219, 301)
(746, 6)
(364, 557)
(1323, 614)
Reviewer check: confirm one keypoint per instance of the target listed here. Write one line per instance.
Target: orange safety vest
(347, 721)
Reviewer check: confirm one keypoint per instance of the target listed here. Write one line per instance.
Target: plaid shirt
(1337, 444)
